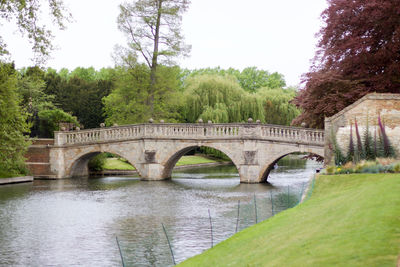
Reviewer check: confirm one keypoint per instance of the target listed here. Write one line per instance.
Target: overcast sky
(274, 35)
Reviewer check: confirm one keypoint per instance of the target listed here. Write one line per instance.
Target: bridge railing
(191, 131)
(282, 133)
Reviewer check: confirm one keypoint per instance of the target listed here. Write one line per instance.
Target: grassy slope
(116, 164)
(190, 160)
(350, 220)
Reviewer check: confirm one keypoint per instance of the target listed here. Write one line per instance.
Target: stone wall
(365, 110)
(38, 158)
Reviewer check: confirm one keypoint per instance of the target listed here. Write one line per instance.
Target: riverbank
(14, 180)
(350, 220)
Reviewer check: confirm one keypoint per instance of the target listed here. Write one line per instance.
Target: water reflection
(75, 221)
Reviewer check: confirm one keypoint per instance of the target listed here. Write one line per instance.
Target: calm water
(75, 222)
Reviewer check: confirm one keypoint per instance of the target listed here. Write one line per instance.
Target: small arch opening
(101, 163)
(292, 162)
(198, 161)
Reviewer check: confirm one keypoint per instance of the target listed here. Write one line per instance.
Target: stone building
(366, 111)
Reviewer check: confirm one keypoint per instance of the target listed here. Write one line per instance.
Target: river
(75, 222)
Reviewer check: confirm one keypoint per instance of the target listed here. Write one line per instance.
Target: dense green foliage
(128, 102)
(350, 220)
(13, 123)
(278, 108)
(97, 162)
(49, 120)
(82, 98)
(250, 79)
(221, 99)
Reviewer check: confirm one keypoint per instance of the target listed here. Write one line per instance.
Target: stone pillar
(249, 174)
(57, 164)
(152, 172)
(249, 171)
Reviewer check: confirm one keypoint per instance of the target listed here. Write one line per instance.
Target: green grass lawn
(190, 160)
(117, 164)
(350, 220)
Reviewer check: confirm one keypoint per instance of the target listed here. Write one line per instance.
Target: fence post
(301, 193)
(237, 220)
(209, 215)
(272, 203)
(255, 207)
(120, 252)
(169, 244)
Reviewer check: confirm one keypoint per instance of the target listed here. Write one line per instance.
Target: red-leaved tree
(358, 53)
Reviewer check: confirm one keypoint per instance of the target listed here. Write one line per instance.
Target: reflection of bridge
(154, 149)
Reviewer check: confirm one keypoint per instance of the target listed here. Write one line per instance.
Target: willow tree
(278, 107)
(220, 99)
(153, 28)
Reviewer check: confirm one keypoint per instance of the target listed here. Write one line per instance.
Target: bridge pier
(152, 172)
(249, 174)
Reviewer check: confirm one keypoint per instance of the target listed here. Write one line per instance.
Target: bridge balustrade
(191, 131)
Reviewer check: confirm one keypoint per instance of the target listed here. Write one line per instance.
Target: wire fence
(164, 248)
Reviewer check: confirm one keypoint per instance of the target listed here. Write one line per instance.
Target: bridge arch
(268, 166)
(78, 165)
(174, 156)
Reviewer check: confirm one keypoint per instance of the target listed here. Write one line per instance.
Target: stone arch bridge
(154, 149)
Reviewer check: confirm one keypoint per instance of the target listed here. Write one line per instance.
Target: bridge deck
(192, 131)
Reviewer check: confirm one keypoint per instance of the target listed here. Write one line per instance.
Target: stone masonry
(154, 149)
(365, 110)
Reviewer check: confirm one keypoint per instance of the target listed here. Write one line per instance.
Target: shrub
(97, 162)
(50, 119)
(330, 169)
(396, 167)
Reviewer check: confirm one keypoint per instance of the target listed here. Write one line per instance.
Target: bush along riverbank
(349, 220)
(11, 178)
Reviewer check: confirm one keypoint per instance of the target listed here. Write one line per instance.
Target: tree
(358, 53)
(50, 119)
(278, 108)
(153, 29)
(13, 124)
(80, 93)
(220, 99)
(127, 103)
(250, 78)
(26, 15)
